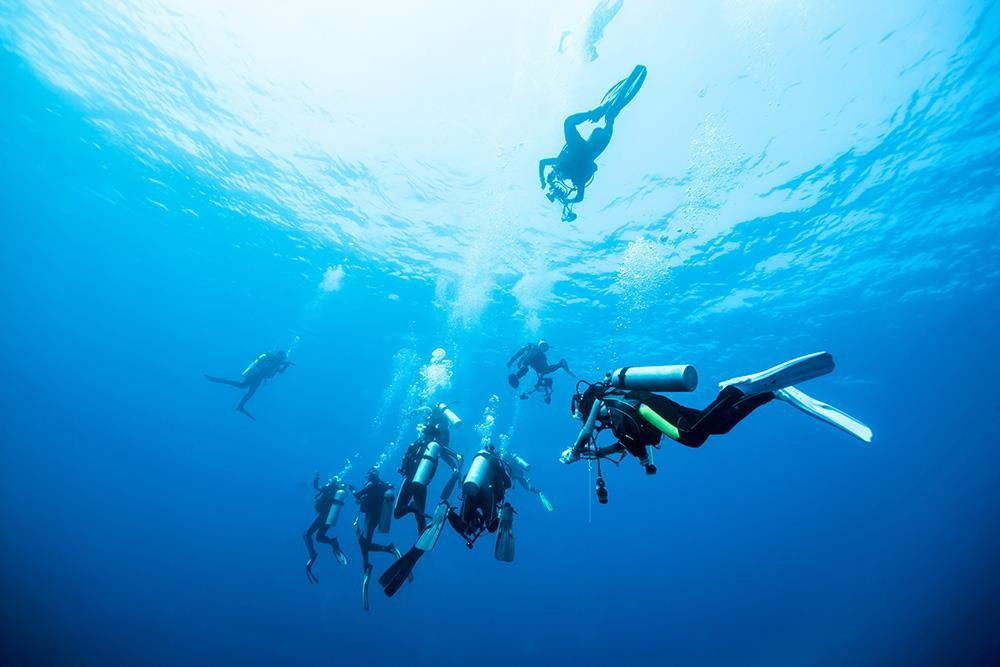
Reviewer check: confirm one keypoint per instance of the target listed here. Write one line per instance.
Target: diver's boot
(783, 375)
(824, 412)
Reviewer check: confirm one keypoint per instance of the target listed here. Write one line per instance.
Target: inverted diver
(260, 370)
(626, 404)
(574, 168)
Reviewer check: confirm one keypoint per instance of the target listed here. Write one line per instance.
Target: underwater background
(184, 185)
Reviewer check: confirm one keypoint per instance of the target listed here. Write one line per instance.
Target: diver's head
(583, 402)
(373, 474)
(280, 355)
(544, 346)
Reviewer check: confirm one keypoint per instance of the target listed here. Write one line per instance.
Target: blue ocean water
(186, 185)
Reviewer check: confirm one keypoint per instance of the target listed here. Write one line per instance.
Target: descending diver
(575, 165)
(421, 460)
(637, 417)
(329, 503)
(519, 468)
(482, 510)
(375, 499)
(533, 356)
(262, 369)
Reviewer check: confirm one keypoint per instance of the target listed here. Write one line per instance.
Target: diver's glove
(569, 455)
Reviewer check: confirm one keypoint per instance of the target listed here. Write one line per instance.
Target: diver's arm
(517, 354)
(542, 164)
(588, 427)
(316, 481)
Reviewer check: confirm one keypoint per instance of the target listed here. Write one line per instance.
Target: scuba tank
(428, 464)
(254, 365)
(478, 475)
(336, 507)
(385, 518)
(656, 378)
(450, 415)
(517, 460)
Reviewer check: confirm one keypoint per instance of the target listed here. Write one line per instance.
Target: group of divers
(628, 402)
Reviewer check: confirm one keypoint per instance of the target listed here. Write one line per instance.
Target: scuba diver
(375, 500)
(519, 468)
(533, 356)
(625, 402)
(483, 510)
(262, 369)
(574, 168)
(329, 503)
(421, 460)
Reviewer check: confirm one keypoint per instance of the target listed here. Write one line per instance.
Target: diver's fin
(783, 375)
(825, 412)
(429, 538)
(244, 411)
(513, 381)
(545, 501)
(340, 556)
(393, 578)
(505, 535)
(364, 587)
(395, 551)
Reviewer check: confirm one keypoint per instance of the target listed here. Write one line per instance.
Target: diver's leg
(321, 537)
(542, 164)
(454, 461)
(239, 384)
(251, 390)
(573, 138)
(728, 409)
(364, 542)
(307, 536)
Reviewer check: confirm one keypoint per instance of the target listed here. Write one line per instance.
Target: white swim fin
(824, 412)
(783, 375)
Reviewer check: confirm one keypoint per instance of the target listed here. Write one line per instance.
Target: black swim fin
(397, 574)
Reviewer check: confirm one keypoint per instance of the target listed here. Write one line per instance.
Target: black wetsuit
(371, 499)
(531, 356)
(575, 163)
(694, 426)
(323, 502)
(264, 368)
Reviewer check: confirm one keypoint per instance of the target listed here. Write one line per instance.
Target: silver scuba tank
(336, 507)
(428, 464)
(385, 518)
(656, 378)
(254, 364)
(520, 462)
(477, 477)
(450, 415)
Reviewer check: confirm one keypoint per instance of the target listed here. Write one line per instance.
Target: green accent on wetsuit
(659, 422)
